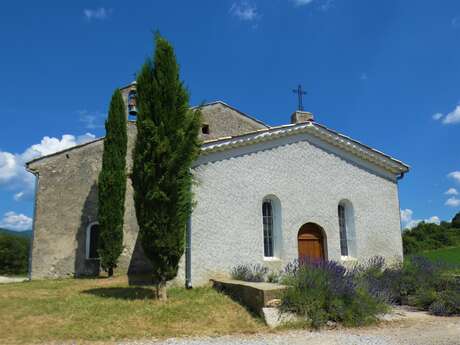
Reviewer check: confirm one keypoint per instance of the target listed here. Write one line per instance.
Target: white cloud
(12, 166)
(406, 215)
(302, 2)
(437, 116)
(14, 221)
(452, 202)
(100, 13)
(455, 175)
(244, 11)
(8, 166)
(91, 120)
(451, 118)
(18, 196)
(451, 191)
(407, 220)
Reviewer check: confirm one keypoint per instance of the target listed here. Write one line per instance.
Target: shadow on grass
(126, 293)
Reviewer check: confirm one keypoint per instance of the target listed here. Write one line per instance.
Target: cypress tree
(167, 144)
(112, 185)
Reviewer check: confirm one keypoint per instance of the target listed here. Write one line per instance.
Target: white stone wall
(310, 179)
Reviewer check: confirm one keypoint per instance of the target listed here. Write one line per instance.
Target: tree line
(429, 236)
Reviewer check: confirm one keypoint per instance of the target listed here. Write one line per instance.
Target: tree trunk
(110, 272)
(161, 291)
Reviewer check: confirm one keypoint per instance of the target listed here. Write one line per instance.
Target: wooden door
(310, 242)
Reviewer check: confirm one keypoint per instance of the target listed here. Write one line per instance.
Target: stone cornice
(319, 131)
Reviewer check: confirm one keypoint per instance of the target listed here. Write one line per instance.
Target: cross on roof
(299, 93)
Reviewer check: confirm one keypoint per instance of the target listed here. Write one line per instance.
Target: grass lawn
(109, 309)
(448, 255)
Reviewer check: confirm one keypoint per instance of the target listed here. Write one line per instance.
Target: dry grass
(103, 310)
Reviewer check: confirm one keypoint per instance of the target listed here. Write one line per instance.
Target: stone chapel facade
(264, 195)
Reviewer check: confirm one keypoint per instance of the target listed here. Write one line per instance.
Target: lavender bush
(326, 291)
(249, 273)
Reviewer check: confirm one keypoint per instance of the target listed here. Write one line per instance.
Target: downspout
(188, 247)
(188, 253)
(399, 178)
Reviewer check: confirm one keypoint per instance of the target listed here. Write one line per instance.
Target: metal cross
(300, 93)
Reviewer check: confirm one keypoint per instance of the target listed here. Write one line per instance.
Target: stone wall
(309, 180)
(308, 177)
(66, 202)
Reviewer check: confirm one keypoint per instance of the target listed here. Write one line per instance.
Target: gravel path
(4, 280)
(417, 329)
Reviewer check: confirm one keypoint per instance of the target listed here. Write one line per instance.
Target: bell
(132, 104)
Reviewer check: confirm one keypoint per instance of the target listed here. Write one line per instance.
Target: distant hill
(26, 234)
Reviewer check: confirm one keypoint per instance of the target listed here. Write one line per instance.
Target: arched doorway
(310, 242)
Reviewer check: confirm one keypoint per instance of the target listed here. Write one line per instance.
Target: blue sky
(383, 72)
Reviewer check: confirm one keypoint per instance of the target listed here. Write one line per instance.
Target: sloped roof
(234, 109)
(322, 132)
(334, 138)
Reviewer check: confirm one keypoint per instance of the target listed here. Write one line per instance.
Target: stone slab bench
(255, 296)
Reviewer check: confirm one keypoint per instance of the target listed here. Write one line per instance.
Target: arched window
(92, 240)
(271, 220)
(347, 229)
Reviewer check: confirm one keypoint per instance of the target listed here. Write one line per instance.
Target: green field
(448, 255)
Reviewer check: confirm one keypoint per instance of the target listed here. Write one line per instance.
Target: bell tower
(130, 99)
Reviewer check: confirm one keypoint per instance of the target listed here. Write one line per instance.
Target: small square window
(205, 129)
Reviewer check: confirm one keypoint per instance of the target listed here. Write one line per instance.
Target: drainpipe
(188, 245)
(188, 253)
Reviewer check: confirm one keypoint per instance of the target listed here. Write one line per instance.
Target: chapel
(264, 195)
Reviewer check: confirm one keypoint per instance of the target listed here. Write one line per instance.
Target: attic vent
(205, 129)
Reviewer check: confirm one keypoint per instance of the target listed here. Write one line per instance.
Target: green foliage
(427, 236)
(430, 286)
(14, 254)
(456, 221)
(112, 185)
(446, 303)
(447, 255)
(327, 291)
(167, 144)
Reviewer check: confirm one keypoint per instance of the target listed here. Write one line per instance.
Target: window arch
(92, 240)
(347, 229)
(271, 220)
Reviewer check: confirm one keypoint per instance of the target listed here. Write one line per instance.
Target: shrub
(429, 286)
(381, 281)
(249, 273)
(14, 254)
(446, 303)
(323, 291)
(274, 277)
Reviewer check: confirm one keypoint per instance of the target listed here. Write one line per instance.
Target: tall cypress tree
(167, 144)
(112, 185)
